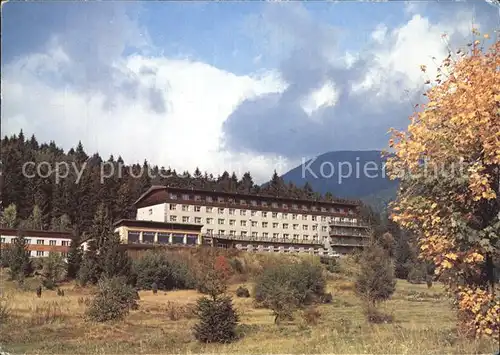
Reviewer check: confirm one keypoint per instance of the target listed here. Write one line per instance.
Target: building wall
(41, 246)
(238, 221)
(152, 213)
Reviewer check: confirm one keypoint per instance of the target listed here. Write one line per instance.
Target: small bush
(176, 311)
(49, 284)
(113, 300)
(373, 315)
(311, 316)
(5, 310)
(429, 281)
(282, 301)
(216, 277)
(376, 281)
(416, 275)
(168, 272)
(242, 292)
(48, 312)
(304, 281)
(84, 301)
(237, 265)
(331, 265)
(327, 298)
(217, 320)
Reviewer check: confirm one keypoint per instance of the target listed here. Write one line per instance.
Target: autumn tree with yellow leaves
(448, 162)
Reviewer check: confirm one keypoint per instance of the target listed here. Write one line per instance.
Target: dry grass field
(423, 324)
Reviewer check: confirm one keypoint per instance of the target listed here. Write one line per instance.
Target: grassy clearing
(424, 324)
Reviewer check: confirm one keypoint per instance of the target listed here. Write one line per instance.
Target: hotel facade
(256, 222)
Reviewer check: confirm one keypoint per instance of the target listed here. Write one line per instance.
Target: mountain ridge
(349, 174)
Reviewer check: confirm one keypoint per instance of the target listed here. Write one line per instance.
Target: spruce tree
(102, 227)
(115, 261)
(90, 270)
(19, 258)
(34, 221)
(376, 281)
(74, 259)
(9, 217)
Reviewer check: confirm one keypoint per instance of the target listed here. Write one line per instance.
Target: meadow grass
(424, 323)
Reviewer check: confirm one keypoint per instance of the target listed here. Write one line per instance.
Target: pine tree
(9, 217)
(102, 227)
(34, 221)
(19, 258)
(308, 190)
(246, 183)
(114, 259)
(90, 270)
(75, 256)
(124, 201)
(80, 154)
(144, 179)
(376, 281)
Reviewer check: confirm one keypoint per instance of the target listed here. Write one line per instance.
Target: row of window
(243, 202)
(42, 253)
(232, 222)
(232, 212)
(42, 242)
(264, 235)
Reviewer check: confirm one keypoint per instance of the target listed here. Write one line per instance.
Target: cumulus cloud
(375, 89)
(199, 98)
(81, 85)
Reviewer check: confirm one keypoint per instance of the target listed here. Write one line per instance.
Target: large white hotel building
(257, 222)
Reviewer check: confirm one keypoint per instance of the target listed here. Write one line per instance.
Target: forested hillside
(78, 198)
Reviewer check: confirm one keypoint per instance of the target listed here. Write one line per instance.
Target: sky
(237, 86)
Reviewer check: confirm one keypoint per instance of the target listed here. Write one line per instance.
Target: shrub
(428, 280)
(217, 320)
(176, 311)
(304, 281)
(112, 301)
(84, 301)
(373, 315)
(327, 298)
(376, 282)
(53, 270)
(417, 274)
(237, 265)
(331, 265)
(311, 316)
(5, 310)
(242, 292)
(282, 300)
(49, 284)
(47, 312)
(167, 273)
(215, 279)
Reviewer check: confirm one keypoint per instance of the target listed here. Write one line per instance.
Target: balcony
(349, 224)
(349, 232)
(348, 243)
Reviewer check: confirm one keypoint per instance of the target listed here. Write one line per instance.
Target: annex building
(40, 243)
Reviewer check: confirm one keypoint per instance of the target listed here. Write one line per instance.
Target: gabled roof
(148, 191)
(246, 195)
(27, 233)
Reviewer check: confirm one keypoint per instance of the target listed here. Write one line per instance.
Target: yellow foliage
(458, 131)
